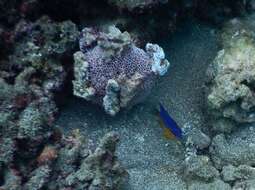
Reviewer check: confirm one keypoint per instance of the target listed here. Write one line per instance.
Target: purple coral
(133, 60)
(111, 70)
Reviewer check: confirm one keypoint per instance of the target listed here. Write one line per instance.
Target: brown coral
(48, 154)
(21, 101)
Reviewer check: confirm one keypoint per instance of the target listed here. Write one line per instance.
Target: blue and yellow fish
(170, 128)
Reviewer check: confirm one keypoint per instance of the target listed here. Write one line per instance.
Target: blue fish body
(170, 123)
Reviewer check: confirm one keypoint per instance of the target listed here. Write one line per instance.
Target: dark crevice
(66, 92)
(250, 85)
(1, 177)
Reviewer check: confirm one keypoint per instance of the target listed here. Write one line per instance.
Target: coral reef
(45, 46)
(230, 100)
(96, 170)
(231, 97)
(30, 78)
(242, 176)
(34, 156)
(33, 153)
(79, 169)
(198, 169)
(231, 103)
(110, 70)
(36, 64)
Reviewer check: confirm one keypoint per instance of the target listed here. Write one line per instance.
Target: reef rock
(97, 169)
(246, 184)
(235, 149)
(214, 185)
(195, 139)
(200, 167)
(34, 154)
(46, 47)
(231, 97)
(135, 4)
(242, 172)
(66, 164)
(111, 71)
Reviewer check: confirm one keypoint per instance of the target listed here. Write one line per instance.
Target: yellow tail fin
(168, 134)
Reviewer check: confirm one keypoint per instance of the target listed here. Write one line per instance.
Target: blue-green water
(151, 160)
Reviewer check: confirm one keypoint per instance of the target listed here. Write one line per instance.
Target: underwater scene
(127, 95)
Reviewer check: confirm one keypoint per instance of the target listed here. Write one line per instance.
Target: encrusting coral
(110, 70)
(44, 46)
(97, 168)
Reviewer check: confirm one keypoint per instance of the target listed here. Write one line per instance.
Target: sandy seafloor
(152, 161)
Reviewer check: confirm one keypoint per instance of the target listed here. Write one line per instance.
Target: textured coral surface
(112, 56)
(33, 153)
(38, 39)
(231, 96)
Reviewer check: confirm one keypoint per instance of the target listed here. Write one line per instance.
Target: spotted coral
(108, 56)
